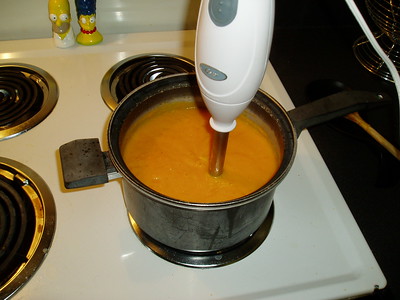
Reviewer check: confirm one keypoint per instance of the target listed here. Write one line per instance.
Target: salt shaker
(89, 35)
(60, 17)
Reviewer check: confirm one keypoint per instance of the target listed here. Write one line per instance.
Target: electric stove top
(314, 249)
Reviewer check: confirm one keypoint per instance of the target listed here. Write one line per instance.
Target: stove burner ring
(207, 260)
(27, 95)
(15, 216)
(27, 224)
(135, 71)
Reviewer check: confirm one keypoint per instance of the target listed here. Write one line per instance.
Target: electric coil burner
(27, 96)
(27, 224)
(135, 71)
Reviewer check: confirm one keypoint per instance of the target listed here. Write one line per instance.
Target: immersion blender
(233, 41)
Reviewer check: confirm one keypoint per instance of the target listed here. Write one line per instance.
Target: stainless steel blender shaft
(218, 152)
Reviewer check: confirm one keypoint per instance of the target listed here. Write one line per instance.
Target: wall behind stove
(21, 19)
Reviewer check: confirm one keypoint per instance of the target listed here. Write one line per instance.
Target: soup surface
(168, 150)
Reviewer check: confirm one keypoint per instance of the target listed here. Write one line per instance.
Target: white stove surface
(315, 249)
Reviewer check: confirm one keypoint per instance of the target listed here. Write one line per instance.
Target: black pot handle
(333, 106)
(84, 164)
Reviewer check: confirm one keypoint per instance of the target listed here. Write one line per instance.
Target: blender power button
(222, 12)
(212, 72)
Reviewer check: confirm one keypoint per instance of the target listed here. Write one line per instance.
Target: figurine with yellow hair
(60, 17)
(89, 34)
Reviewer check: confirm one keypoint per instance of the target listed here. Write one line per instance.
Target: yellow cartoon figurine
(89, 35)
(60, 18)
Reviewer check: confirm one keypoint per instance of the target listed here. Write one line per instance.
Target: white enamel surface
(314, 251)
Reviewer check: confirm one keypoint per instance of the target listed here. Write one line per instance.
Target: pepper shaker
(89, 35)
(60, 17)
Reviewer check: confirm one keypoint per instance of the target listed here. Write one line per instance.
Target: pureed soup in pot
(168, 150)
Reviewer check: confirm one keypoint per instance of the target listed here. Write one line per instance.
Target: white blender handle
(233, 41)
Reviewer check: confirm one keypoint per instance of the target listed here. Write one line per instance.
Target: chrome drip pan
(27, 224)
(28, 94)
(134, 71)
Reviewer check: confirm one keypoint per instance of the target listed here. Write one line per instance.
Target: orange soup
(168, 150)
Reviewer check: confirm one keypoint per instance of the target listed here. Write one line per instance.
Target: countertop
(313, 43)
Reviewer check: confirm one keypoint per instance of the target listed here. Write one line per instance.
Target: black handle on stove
(333, 106)
(84, 164)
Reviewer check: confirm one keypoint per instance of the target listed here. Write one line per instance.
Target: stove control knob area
(222, 12)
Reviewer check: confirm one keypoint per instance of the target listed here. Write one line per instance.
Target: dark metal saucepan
(193, 227)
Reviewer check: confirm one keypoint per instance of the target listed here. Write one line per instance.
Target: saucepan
(199, 228)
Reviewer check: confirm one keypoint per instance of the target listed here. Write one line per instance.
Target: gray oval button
(222, 12)
(212, 73)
